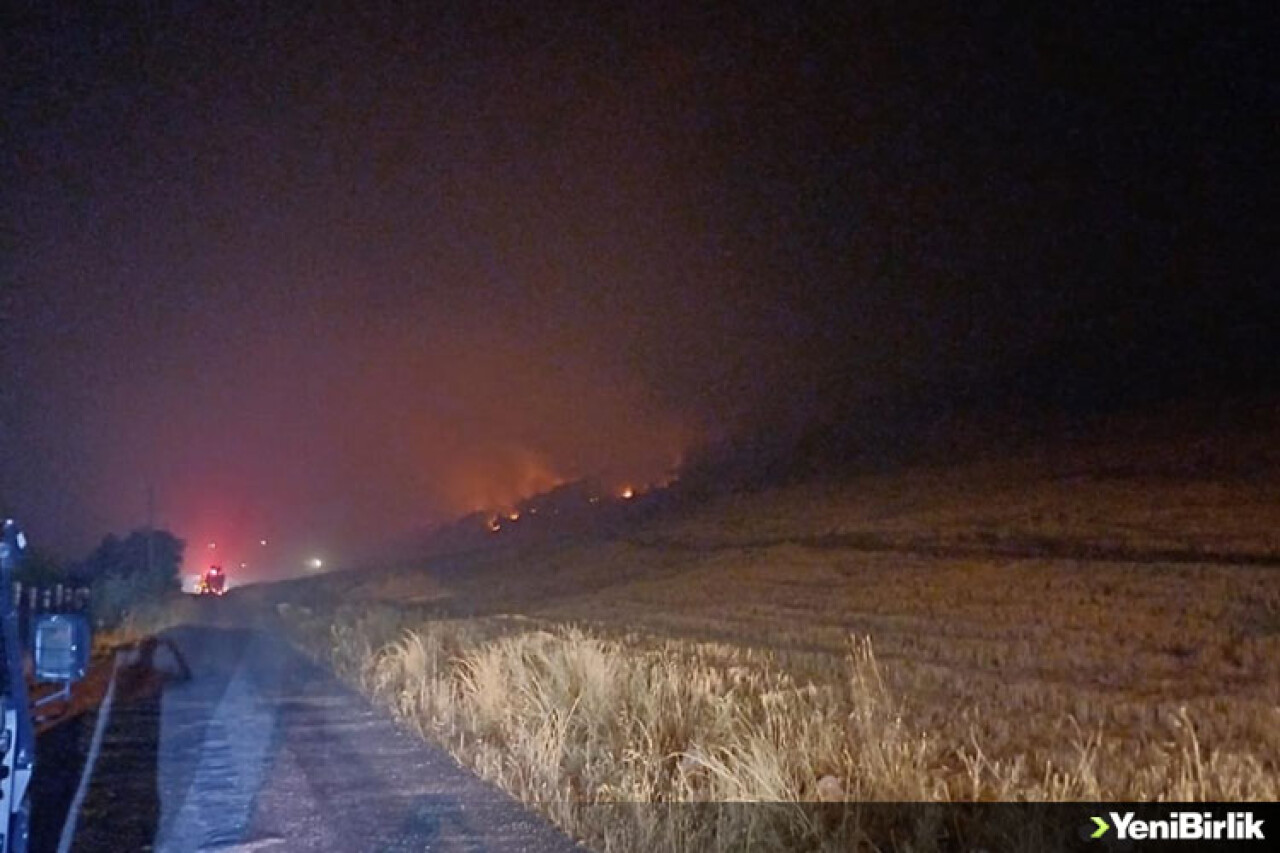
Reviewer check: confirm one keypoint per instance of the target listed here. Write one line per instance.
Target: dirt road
(223, 738)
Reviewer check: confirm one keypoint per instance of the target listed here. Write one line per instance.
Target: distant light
(513, 516)
(315, 563)
(213, 545)
(628, 493)
(244, 565)
(22, 541)
(493, 524)
(262, 542)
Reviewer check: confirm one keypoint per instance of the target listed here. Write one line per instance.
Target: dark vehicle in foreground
(61, 653)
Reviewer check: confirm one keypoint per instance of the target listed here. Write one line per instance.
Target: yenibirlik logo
(1183, 826)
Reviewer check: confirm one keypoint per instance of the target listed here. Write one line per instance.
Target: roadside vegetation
(130, 576)
(133, 581)
(578, 724)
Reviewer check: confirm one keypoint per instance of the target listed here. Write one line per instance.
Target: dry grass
(147, 620)
(575, 723)
(726, 655)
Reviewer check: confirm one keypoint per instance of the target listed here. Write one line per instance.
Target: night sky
(329, 273)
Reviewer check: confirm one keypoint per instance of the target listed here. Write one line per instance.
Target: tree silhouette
(125, 573)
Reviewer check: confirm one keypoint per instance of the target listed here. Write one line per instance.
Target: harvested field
(912, 637)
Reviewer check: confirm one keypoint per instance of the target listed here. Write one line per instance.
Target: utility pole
(151, 529)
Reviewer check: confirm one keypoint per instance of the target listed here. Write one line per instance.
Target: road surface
(227, 739)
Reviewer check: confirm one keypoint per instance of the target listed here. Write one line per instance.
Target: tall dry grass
(628, 742)
(146, 620)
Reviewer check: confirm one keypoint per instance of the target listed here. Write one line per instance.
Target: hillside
(1089, 618)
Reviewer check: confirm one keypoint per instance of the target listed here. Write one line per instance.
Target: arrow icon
(1103, 826)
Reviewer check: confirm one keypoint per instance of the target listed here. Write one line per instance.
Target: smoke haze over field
(330, 276)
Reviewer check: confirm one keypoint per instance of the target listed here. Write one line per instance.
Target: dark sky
(329, 272)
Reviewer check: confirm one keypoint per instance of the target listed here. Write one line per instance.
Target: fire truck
(212, 582)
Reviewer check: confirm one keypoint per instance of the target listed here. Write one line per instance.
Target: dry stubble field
(1040, 628)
